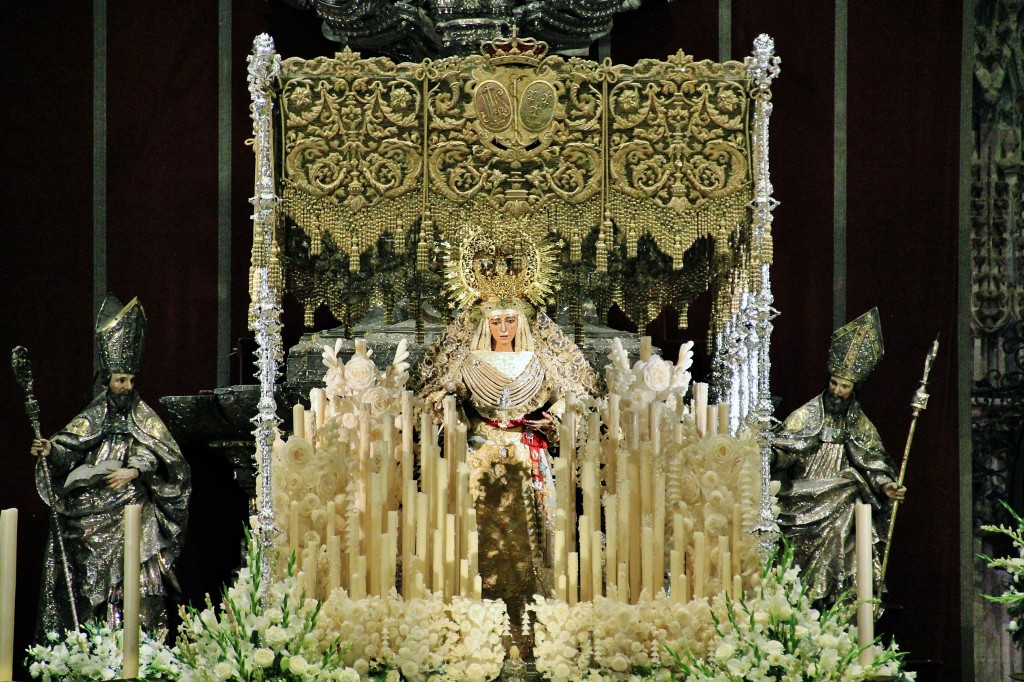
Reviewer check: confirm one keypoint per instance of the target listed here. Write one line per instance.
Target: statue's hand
(40, 446)
(119, 478)
(541, 424)
(894, 491)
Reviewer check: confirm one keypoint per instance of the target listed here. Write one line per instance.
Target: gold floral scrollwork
(643, 171)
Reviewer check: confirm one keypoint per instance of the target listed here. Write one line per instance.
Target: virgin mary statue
(509, 366)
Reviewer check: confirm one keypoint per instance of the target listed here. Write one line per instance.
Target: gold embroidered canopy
(642, 175)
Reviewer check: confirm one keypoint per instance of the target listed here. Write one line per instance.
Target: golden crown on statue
(490, 266)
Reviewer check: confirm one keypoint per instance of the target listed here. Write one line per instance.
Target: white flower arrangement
(648, 380)
(251, 638)
(1013, 596)
(772, 633)
(95, 653)
(610, 640)
(418, 638)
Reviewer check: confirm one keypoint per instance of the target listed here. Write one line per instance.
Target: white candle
(567, 435)
(659, 533)
(648, 561)
(591, 491)
(450, 566)
(723, 418)
(383, 559)
(131, 590)
(645, 348)
(298, 421)
(8, 575)
(573, 571)
(678, 534)
(392, 571)
(358, 590)
(700, 407)
(622, 582)
(724, 563)
(333, 564)
(654, 426)
(422, 525)
(635, 534)
(318, 403)
(329, 530)
(613, 424)
(474, 556)
(698, 565)
(737, 529)
(865, 578)
(675, 573)
(585, 558)
(407, 435)
(595, 565)
(611, 528)
(712, 421)
(437, 565)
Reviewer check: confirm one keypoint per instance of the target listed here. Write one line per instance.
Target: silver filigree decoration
(763, 67)
(264, 65)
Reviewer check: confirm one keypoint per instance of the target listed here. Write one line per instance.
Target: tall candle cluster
(664, 495)
(393, 525)
(629, 535)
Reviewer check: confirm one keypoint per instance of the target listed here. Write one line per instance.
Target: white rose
(378, 400)
(297, 665)
(276, 634)
(263, 657)
(349, 421)
(689, 488)
(346, 675)
(360, 373)
(392, 676)
(297, 452)
(721, 450)
(223, 670)
(657, 374)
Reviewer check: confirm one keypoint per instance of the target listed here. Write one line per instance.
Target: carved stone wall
(997, 305)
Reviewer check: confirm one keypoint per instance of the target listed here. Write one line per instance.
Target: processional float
(652, 183)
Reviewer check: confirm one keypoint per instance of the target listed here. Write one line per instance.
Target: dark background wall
(161, 206)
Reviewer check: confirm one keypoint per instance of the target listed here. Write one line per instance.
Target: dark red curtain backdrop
(162, 101)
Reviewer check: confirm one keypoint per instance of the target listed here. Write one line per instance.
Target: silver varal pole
(763, 67)
(264, 65)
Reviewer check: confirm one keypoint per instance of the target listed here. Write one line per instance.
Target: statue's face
(121, 383)
(839, 387)
(503, 330)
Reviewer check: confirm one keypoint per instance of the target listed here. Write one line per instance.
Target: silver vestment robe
(826, 463)
(91, 514)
